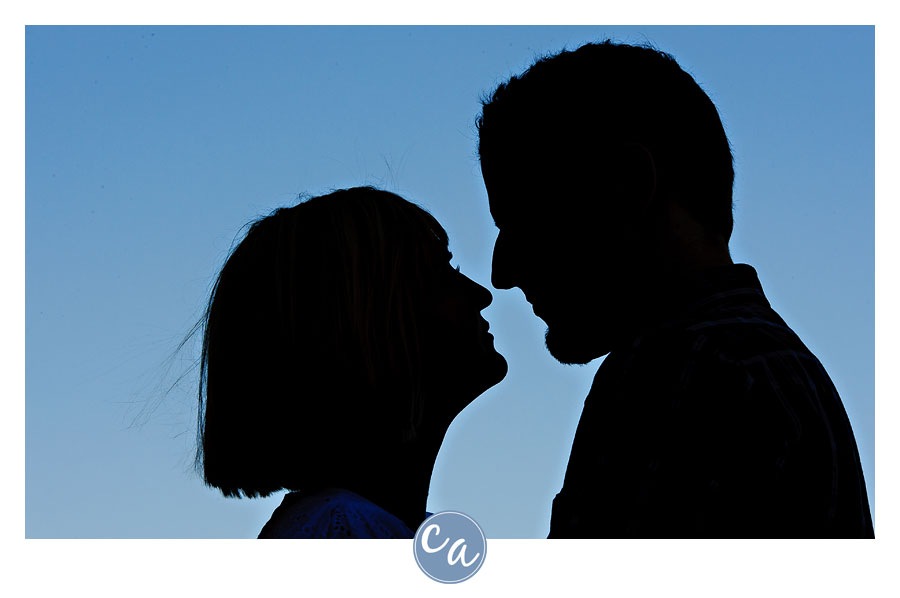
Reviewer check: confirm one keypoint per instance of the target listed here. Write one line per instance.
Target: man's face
(570, 254)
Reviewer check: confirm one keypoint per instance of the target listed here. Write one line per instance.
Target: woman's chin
(466, 382)
(495, 370)
(492, 372)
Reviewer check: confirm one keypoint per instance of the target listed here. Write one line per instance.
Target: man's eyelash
(457, 268)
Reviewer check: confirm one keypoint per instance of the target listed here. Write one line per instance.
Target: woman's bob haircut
(310, 350)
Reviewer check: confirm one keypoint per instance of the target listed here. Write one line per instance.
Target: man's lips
(535, 305)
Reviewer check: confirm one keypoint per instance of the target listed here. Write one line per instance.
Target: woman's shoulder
(332, 513)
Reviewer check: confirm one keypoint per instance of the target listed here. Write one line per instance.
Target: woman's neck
(397, 480)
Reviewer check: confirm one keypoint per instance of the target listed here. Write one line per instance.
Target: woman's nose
(482, 296)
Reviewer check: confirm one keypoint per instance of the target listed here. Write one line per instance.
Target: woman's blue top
(332, 513)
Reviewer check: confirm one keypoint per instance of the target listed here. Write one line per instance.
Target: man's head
(601, 164)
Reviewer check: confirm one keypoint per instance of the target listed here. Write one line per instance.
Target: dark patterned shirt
(718, 422)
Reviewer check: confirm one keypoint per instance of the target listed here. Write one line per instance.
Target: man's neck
(686, 248)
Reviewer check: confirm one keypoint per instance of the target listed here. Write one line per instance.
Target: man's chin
(572, 347)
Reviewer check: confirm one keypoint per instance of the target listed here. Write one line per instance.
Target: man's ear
(637, 176)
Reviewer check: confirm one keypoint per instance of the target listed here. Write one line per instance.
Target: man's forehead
(512, 204)
(530, 199)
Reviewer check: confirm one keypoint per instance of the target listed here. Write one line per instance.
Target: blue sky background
(147, 149)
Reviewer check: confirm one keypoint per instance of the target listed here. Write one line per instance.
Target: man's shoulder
(736, 335)
(730, 358)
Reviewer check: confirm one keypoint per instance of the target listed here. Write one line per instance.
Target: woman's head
(334, 327)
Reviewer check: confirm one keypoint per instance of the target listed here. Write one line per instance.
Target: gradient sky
(148, 148)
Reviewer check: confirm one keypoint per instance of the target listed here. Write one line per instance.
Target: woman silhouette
(338, 346)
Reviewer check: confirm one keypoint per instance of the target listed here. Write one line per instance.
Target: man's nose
(501, 265)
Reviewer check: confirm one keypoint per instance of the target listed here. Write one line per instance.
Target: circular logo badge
(449, 547)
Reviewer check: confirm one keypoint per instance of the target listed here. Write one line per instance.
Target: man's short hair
(582, 104)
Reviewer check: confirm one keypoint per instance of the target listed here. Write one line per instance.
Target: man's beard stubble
(571, 347)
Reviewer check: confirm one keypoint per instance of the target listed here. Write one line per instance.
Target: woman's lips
(485, 328)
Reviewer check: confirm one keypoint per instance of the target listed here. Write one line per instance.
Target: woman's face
(460, 359)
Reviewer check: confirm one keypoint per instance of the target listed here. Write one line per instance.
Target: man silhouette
(609, 177)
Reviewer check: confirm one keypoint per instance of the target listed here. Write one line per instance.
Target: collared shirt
(717, 422)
